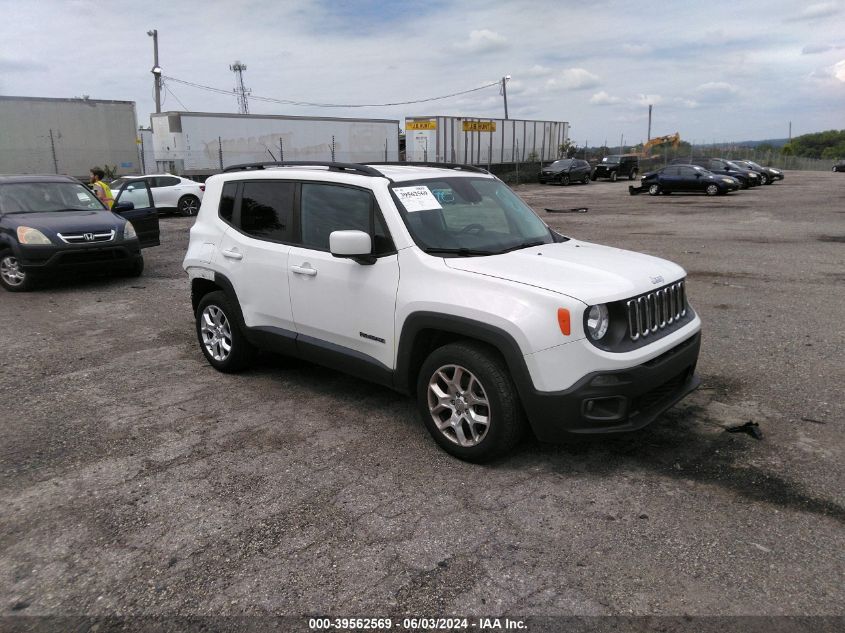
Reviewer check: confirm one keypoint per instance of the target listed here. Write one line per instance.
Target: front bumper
(54, 259)
(615, 401)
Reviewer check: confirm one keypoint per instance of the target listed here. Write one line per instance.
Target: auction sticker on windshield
(417, 198)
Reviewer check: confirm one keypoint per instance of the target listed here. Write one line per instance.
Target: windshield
(40, 197)
(610, 159)
(753, 164)
(468, 216)
(738, 166)
(562, 164)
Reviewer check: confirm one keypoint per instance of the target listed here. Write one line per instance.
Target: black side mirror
(123, 206)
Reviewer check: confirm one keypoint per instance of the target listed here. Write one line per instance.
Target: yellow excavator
(674, 139)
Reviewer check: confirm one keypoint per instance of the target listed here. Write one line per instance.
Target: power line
(333, 105)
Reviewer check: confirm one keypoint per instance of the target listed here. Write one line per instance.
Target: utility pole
(53, 148)
(648, 138)
(790, 131)
(505, 93)
(243, 104)
(156, 71)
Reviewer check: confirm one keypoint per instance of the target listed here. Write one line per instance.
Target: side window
(327, 208)
(266, 209)
(227, 202)
(137, 193)
(167, 181)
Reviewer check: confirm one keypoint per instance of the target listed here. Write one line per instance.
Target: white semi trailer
(482, 141)
(202, 143)
(40, 135)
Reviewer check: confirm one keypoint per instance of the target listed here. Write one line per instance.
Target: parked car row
(712, 176)
(742, 173)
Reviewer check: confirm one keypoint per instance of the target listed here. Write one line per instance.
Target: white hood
(588, 272)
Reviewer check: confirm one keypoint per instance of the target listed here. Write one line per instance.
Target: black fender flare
(502, 341)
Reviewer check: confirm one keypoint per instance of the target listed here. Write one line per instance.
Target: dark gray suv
(566, 171)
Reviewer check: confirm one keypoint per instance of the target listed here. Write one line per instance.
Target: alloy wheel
(10, 271)
(216, 333)
(458, 405)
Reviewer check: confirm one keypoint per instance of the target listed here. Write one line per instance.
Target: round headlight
(598, 320)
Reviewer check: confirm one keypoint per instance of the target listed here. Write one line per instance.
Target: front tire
(12, 278)
(189, 206)
(564, 180)
(586, 180)
(613, 176)
(136, 269)
(221, 340)
(711, 190)
(654, 190)
(469, 403)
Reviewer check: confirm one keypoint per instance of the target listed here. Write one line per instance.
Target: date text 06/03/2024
(416, 624)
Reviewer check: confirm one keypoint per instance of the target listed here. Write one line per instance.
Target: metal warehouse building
(67, 136)
(480, 141)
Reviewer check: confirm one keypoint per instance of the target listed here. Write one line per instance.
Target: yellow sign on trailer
(420, 125)
(479, 126)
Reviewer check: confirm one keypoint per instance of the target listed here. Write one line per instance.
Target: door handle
(304, 270)
(233, 255)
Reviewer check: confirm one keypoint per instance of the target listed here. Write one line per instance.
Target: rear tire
(189, 205)
(469, 403)
(221, 340)
(632, 175)
(586, 180)
(12, 278)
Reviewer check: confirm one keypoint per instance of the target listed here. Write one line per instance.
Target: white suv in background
(171, 192)
(439, 281)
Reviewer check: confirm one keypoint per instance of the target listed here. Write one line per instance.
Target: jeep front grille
(655, 311)
(86, 238)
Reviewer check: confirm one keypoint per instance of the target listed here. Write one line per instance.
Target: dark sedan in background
(723, 167)
(51, 224)
(687, 179)
(566, 171)
(768, 175)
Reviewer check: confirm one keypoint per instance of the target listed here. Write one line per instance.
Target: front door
(341, 306)
(143, 215)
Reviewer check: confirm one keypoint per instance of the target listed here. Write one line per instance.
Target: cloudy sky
(714, 71)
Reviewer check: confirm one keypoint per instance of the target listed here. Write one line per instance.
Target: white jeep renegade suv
(439, 281)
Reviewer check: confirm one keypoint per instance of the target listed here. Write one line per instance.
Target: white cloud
(484, 41)
(819, 10)
(538, 71)
(573, 79)
(687, 103)
(716, 91)
(839, 70)
(646, 100)
(638, 49)
(602, 98)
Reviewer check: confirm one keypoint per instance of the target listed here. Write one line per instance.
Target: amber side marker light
(563, 321)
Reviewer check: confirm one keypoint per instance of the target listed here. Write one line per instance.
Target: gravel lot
(135, 479)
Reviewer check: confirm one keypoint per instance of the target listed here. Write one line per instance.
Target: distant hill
(774, 142)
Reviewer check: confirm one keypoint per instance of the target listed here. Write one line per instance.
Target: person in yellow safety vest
(100, 188)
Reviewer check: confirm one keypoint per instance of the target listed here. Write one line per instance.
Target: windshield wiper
(465, 252)
(528, 244)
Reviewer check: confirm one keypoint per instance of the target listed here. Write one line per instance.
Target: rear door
(144, 215)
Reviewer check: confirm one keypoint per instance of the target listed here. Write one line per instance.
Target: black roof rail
(456, 166)
(356, 168)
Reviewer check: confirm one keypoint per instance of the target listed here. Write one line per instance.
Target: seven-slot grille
(86, 238)
(655, 311)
